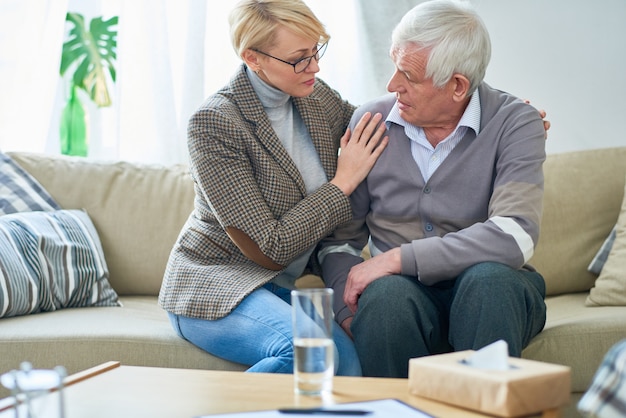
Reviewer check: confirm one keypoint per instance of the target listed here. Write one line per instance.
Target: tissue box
(528, 387)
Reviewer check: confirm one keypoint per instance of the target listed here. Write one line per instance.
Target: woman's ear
(251, 58)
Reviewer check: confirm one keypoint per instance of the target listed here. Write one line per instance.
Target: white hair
(454, 33)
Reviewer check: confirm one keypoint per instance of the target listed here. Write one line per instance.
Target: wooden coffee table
(112, 390)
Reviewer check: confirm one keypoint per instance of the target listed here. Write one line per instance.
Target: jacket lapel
(252, 110)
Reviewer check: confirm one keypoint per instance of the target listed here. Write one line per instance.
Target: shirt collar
(470, 118)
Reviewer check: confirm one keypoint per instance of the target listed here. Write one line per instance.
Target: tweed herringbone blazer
(244, 179)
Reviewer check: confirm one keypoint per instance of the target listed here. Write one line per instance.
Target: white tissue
(494, 356)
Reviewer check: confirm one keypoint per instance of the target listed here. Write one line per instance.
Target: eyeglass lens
(304, 63)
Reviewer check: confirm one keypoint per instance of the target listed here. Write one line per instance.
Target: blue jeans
(399, 318)
(258, 333)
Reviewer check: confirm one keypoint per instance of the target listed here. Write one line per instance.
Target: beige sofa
(138, 211)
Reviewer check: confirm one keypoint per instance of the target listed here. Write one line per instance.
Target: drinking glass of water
(36, 392)
(313, 340)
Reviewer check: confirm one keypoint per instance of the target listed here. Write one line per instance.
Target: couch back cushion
(138, 211)
(583, 194)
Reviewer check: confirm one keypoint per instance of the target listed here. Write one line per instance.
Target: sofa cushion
(19, 191)
(51, 260)
(137, 334)
(577, 336)
(580, 208)
(610, 286)
(137, 209)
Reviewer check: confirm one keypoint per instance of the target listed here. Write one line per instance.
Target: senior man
(452, 207)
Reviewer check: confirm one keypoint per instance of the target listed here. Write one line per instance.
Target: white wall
(568, 57)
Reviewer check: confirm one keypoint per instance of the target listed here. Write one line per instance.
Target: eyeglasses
(303, 63)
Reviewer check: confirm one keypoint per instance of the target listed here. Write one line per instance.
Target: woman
(269, 186)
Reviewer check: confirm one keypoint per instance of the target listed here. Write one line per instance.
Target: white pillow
(610, 286)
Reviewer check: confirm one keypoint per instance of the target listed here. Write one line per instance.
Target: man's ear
(461, 87)
(251, 58)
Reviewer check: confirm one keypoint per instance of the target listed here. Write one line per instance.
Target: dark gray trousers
(399, 318)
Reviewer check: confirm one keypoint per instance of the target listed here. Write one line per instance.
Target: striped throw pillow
(595, 266)
(49, 261)
(19, 191)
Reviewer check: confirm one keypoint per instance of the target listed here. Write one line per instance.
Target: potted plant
(88, 58)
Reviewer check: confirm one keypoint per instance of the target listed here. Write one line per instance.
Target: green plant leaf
(74, 126)
(92, 53)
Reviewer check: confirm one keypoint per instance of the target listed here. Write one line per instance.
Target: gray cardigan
(482, 204)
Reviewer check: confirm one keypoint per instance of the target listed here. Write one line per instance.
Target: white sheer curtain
(30, 34)
(171, 55)
(148, 117)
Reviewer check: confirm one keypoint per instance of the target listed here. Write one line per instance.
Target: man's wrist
(408, 263)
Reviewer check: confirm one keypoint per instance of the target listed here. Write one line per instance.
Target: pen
(320, 411)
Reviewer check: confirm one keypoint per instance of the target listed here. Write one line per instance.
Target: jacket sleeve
(248, 191)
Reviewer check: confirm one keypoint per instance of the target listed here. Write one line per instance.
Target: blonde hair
(253, 23)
